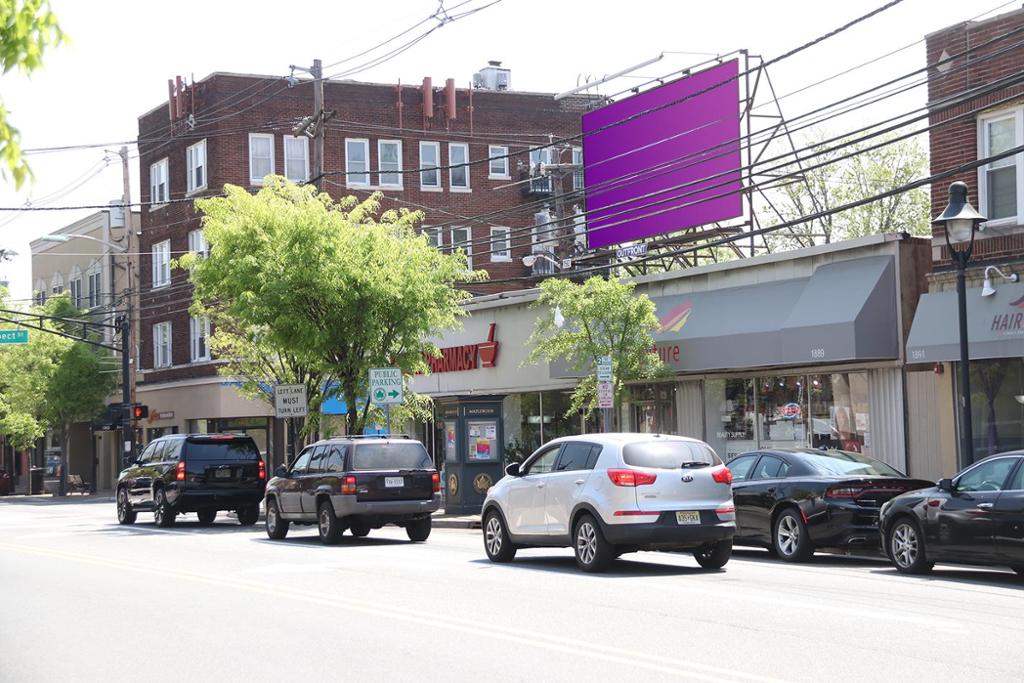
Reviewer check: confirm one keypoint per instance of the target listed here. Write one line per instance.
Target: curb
(455, 522)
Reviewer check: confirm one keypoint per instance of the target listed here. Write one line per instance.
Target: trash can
(36, 480)
(5, 483)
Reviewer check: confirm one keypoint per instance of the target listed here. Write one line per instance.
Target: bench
(76, 483)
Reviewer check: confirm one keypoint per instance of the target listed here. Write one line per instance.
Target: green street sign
(13, 336)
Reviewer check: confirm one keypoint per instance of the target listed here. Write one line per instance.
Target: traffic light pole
(128, 418)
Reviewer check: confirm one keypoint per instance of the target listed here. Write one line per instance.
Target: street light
(67, 238)
(960, 221)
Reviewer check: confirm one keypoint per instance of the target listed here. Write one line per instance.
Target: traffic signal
(140, 411)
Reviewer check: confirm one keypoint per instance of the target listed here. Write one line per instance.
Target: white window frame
(158, 176)
(466, 245)
(197, 242)
(199, 329)
(261, 136)
(195, 158)
(1017, 114)
(350, 178)
(94, 275)
(577, 176)
(435, 232)
(75, 286)
(305, 157)
(505, 255)
(41, 293)
(161, 263)
(468, 187)
(425, 186)
(543, 155)
(497, 151)
(162, 345)
(380, 164)
(57, 283)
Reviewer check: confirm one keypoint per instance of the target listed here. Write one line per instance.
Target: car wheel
(277, 528)
(792, 542)
(496, 541)
(359, 528)
(328, 524)
(593, 552)
(714, 556)
(418, 530)
(125, 513)
(248, 515)
(906, 547)
(163, 515)
(206, 517)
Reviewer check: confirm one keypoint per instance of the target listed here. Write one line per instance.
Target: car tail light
(263, 470)
(722, 476)
(635, 513)
(631, 477)
(348, 484)
(726, 512)
(843, 492)
(179, 471)
(435, 479)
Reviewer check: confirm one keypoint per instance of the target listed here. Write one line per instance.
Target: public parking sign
(604, 369)
(386, 385)
(289, 400)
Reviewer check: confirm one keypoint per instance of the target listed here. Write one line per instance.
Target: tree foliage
(869, 172)
(27, 28)
(601, 318)
(322, 289)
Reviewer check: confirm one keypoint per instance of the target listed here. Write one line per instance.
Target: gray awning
(995, 325)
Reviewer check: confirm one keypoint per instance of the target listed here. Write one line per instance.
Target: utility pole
(128, 325)
(318, 122)
(128, 417)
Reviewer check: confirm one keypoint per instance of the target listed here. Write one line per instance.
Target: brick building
(237, 129)
(973, 57)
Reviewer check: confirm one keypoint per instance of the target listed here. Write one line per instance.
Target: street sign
(604, 369)
(13, 336)
(289, 400)
(605, 395)
(386, 386)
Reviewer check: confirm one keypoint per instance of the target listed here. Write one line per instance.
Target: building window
(577, 174)
(497, 165)
(389, 162)
(197, 242)
(162, 345)
(458, 170)
(296, 158)
(357, 162)
(461, 238)
(195, 162)
(199, 333)
(540, 183)
(56, 283)
(999, 181)
(40, 293)
(75, 287)
(159, 192)
(430, 159)
(501, 244)
(95, 284)
(162, 264)
(435, 237)
(261, 157)
(997, 405)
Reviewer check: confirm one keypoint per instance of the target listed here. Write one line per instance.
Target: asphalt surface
(84, 599)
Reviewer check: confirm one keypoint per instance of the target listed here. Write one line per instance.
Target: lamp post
(960, 221)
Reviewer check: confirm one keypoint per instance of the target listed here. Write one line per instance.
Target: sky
(122, 52)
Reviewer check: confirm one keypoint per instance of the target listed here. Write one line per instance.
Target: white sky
(123, 52)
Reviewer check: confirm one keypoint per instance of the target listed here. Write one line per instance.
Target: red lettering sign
(467, 356)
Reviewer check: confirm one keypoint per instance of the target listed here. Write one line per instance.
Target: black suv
(356, 484)
(200, 473)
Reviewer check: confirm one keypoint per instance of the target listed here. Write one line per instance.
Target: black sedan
(792, 501)
(975, 518)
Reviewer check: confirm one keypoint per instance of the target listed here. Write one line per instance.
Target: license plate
(688, 517)
(222, 474)
(394, 482)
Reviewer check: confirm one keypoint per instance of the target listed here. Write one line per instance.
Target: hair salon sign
(467, 356)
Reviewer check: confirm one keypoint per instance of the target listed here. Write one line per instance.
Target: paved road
(84, 599)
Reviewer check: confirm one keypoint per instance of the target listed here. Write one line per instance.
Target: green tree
(601, 318)
(868, 173)
(330, 286)
(27, 28)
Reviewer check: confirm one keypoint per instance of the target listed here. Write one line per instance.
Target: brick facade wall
(228, 107)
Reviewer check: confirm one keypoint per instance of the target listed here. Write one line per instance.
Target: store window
(781, 415)
(534, 418)
(839, 411)
(729, 415)
(997, 405)
(654, 409)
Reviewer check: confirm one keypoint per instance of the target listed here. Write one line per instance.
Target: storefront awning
(995, 325)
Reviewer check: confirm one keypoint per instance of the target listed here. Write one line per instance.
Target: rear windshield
(390, 456)
(669, 455)
(844, 463)
(221, 449)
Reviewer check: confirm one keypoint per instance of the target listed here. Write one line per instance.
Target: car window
(846, 463)
(740, 467)
(988, 476)
(300, 463)
(172, 449)
(544, 462)
(157, 454)
(1017, 483)
(575, 456)
(770, 467)
(334, 462)
(669, 455)
(316, 462)
(148, 452)
(390, 455)
(221, 448)
(595, 453)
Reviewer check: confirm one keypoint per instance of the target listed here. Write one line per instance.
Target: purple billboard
(671, 169)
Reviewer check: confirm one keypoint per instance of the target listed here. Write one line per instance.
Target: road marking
(628, 658)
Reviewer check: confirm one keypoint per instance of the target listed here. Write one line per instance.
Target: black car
(975, 518)
(357, 484)
(201, 473)
(792, 501)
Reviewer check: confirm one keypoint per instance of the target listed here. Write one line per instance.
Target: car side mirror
(946, 485)
(512, 470)
(281, 471)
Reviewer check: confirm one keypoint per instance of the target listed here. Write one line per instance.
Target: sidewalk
(442, 521)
